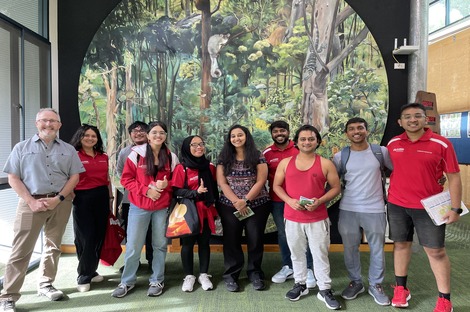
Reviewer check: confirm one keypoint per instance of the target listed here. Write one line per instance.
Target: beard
(281, 140)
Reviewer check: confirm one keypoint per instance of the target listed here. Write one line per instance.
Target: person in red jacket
(93, 196)
(146, 174)
(194, 178)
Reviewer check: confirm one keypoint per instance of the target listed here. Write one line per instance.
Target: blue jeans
(278, 217)
(138, 223)
(374, 224)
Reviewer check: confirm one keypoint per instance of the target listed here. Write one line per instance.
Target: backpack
(377, 151)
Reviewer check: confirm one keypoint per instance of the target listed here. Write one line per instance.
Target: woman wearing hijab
(201, 186)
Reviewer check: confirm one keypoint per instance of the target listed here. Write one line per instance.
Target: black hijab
(201, 164)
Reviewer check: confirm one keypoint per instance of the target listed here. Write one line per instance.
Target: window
(445, 12)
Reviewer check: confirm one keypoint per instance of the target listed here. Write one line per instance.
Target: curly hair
(80, 133)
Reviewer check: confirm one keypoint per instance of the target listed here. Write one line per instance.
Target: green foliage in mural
(145, 64)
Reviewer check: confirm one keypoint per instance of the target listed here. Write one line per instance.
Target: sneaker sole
(83, 287)
(303, 293)
(123, 295)
(97, 279)
(378, 302)
(52, 298)
(402, 305)
(320, 297)
(355, 296)
(281, 280)
(156, 294)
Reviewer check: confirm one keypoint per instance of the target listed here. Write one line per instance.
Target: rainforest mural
(201, 66)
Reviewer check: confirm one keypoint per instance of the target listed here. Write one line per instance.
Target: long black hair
(227, 154)
(80, 133)
(164, 155)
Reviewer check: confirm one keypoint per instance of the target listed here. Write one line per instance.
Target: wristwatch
(457, 210)
(248, 202)
(61, 197)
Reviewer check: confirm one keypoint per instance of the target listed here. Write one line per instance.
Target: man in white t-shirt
(362, 207)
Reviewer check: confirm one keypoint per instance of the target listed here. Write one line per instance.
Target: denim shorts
(403, 221)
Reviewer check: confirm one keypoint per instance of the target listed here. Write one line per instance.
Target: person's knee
(401, 246)
(436, 253)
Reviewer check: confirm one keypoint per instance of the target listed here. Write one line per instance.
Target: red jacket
(136, 181)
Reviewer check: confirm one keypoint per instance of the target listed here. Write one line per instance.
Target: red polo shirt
(96, 173)
(417, 167)
(273, 156)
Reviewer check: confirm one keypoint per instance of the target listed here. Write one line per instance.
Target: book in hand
(305, 201)
(243, 217)
(437, 206)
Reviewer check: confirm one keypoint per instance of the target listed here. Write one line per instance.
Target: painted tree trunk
(315, 72)
(205, 96)
(111, 86)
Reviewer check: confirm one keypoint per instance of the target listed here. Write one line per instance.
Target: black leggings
(204, 251)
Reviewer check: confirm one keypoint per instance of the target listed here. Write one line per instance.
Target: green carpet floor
(421, 284)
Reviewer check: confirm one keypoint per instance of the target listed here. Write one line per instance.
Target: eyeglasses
(52, 121)
(195, 145)
(138, 131)
(162, 133)
(416, 116)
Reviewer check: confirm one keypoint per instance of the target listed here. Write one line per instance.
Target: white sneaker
(311, 281)
(283, 274)
(188, 283)
(83, 287)
(204, 280)
(97, 278)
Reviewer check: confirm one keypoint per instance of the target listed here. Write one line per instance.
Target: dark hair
(80, 133)
(355, 120)
(279, 124)
(137, 124)
(164, 155)
(227, 154)
(413, 105)
(307, 128)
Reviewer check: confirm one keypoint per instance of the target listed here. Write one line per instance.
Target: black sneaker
(327, 297)
(232, 286)
(297, 291)
(258, 284)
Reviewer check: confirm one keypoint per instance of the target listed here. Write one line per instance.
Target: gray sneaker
(51, 293)
(7, 306)
(329, 299)
(121, 290)
(353, 289)
(377, 292)
(155, 289)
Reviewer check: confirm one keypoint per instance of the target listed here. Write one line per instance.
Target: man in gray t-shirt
(43, 171)
(362, 206)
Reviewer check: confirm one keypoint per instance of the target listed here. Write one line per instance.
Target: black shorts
(403, 221)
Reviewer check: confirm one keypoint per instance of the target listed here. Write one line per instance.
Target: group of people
(47, 174)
